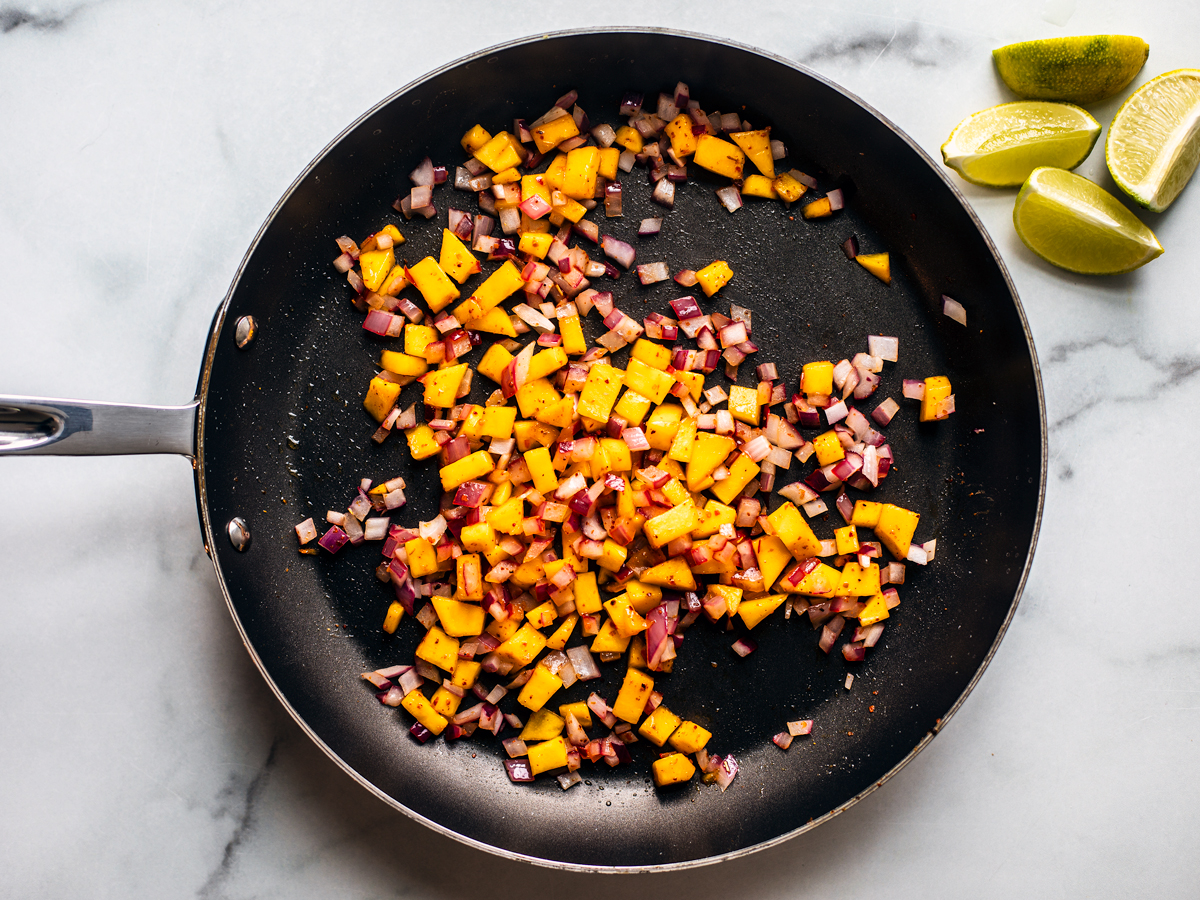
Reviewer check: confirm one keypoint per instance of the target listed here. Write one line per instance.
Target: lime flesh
(1081, 69)
(1000, 146)
(1154, 141)
(1077, 225)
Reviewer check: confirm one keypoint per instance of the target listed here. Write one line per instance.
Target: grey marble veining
(142, 145)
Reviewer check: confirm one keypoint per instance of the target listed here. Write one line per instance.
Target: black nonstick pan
(278, 433)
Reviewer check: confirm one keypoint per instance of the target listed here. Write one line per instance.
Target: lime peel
(1153, 143)
(1000, 146)
(1081, 69)
(1077, 225)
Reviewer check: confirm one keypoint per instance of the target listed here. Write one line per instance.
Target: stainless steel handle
(39, 425)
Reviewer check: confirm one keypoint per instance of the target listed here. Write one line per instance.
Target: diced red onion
(652, 273)
(730, 197)
(954, 310)
(650, 226)
(887, 348)
(617, 250)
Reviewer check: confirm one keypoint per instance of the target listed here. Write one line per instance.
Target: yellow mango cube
(817, 378)
(458, 619)
(757, 146)
(475, 138)
(609, 640)
(421, 710)
(624, 617)
(438, 649)
(754, 611)
(679, 131)
(846, 539)
(562, 633)
(874, 610)
(828, 448)
(469, 468)
(937, 389)
(877, 264)
(866, 513)
(376, 265)
(441, 386)
(896, 528)
(647, 381)
(402, 363)
(788, 189)
(587, 596)
(422, 558)
(674, 768)
(522, 647)
(499, 153)
(714, 276)
(550, 134)
(741, 473)
(455, 259)
(381, 397)
(421, 442)
(434, 284)
(673, 574)
(659, 726)
(743, 404)
(583, 165)
(709, 451)
(548, 755)
(663, 425)
(540, 687)
(543, 725)
(719, 156)
(631, 698)
(690, 737)
(496, 288)
(675, 523)
(759, 186)
(600, 392)
(791, 528)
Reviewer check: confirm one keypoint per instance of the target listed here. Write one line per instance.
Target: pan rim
(210, 533)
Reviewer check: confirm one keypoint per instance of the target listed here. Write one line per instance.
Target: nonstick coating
(283, 436)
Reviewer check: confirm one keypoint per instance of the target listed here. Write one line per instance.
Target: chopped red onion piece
(836, 199)
(422, 175)
(726, 772)
(954, 310)
(518, 770)
(778, 150)
(652, 273)
(333, 540)
(730, 197)
(650, 226)
(850, 247)
(744, 646)
(612, 199)
(664, 193)
(914, 389)
(618, 251)
(783, 740)
(806, 180)
(686, 278)
(801, 727)
(306, 531)
(887, 348)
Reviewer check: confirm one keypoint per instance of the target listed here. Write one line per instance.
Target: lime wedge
(1154, 140)
(1074, 224)
(1080, 69)
(1000, 146)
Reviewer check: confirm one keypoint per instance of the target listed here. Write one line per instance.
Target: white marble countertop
(143, 755)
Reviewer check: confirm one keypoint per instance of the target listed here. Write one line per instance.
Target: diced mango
(441, 386)
(679, 131)
(499, 153)
(874, 610)
(790, 527)
(714, 276)
(375, 266)
(421, 442)
(719, 156)
(631, 699)
(741, 473)
(421, 710)
(609, 640)
(866, 513)
(743, 404)
(817, 378)
(522, 647)
(659, 726)
(896, 528)
(422, 558)
(540, 687)
(709, 451)
(455, 259)
(543, 725)
(469, 468)
(663, 425)
(877, 264)
(600, 392)
(846, 539)
(757, 146)
(381, 397)
(583, 164)
(434, 284)
(828, 448)
(937, 389)
(674, 768)
(690, 737)
(458, 619)
(550, 134)
(754, 611)
(548, 755)
(439, 649)
(673, 574)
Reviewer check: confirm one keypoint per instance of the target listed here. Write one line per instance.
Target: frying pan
(277, 433)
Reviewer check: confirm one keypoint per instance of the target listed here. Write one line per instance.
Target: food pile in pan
(607, 496)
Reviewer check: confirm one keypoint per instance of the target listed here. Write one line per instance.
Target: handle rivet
(239, 533)
(245, 331)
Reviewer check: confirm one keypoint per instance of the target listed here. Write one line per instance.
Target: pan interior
(284, 437)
